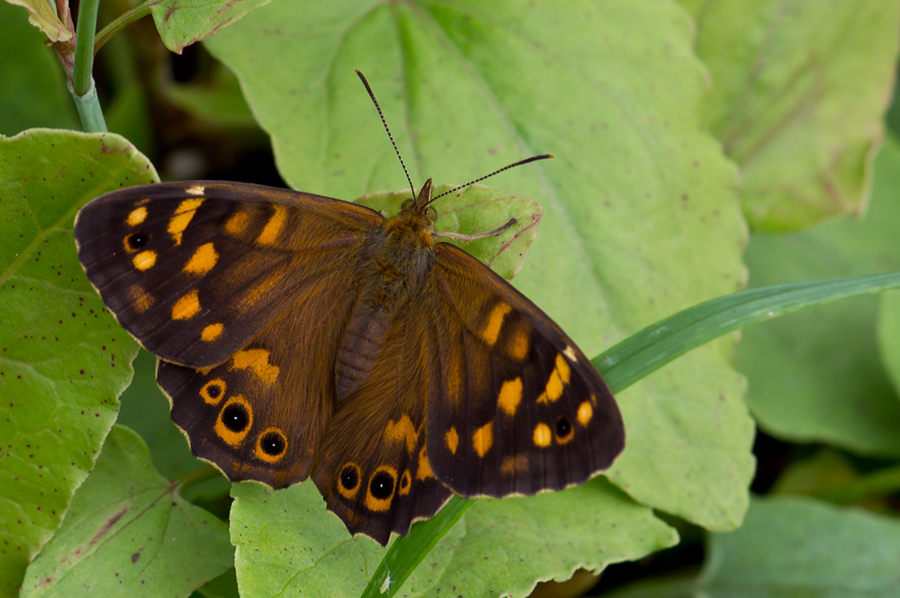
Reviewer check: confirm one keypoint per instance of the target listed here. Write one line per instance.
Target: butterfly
(303, 336)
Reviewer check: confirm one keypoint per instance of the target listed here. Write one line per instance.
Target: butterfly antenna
(487, 176)
(391, 137)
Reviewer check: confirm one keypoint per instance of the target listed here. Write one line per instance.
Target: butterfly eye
(431, 213)
(406, 204)
(136, 240)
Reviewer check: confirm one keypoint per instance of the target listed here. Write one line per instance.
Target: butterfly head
(420, 209)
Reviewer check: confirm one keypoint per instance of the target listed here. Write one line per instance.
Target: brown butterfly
(301, 335)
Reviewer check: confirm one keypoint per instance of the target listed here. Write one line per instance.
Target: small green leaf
(184, 22)
(63, 359)
(42, 15)
(794, 546)
(799, 91)
(477, 209)
(128, 528)
(286, 544)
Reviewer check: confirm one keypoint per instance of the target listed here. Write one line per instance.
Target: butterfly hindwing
(262, 413)
(385, 483)
(195, 270)
(520, 408)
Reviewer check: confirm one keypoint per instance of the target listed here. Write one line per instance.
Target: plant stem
(124, 20)
(82, 84)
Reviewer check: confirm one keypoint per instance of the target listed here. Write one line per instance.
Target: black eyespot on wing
(349, 477)
(273, 444)
(235, 418)
(136, 240)
(382, 485)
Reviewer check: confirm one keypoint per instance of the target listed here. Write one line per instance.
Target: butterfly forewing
(520, 408)
(195, 270)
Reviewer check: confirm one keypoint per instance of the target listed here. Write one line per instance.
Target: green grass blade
(407, 552)
(658, 344)
(629, 361)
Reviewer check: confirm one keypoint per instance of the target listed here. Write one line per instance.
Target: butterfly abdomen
(398, 267)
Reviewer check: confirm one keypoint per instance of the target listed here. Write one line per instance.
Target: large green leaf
(128, 528)
(817, 375)
(63, 359)
(800, 547)
(640, 217)
(799, 91)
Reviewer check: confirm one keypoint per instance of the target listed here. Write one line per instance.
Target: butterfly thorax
(397, 265)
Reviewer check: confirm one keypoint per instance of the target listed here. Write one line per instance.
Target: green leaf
(800, 88)
(817, 375)
(477, 209)
(888, 340)
(184, 22)
(640, 218)
(287, 544)
(536, 538)
(63, 359)
(43, 16)
(800, 547)
(128, 528)
(36, 85)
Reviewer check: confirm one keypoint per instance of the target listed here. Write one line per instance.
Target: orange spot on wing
(203, 260)
(491, 331)
(256, 360)
(183, 215)
(137, 216)
(212, 332)
(518, 347)
(423, 471)
(560, 376)
(144, 260)
(510, 396)
(402, 430)
(237, 223)
(187, 307)
(514, 464)
(451, 439)
(542, 435)
(483, 439)
(585, 413)
(273, 227)
(141, 301)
